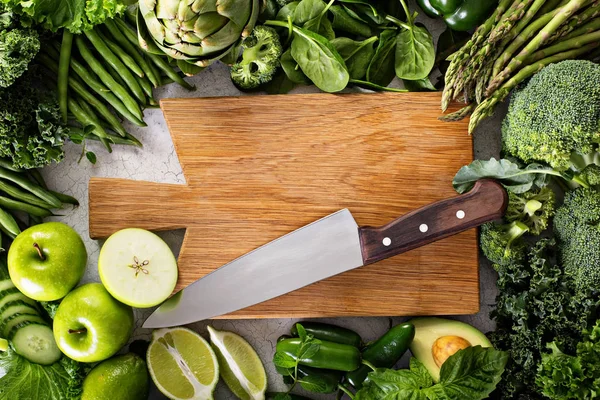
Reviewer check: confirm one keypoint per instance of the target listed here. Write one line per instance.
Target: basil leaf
(421, 85)
(91, 156)
(319, 60)
(390, 384)
(415, 53)
(307, 10)
(301, 332)
(308, 350)
(470, 373)
(314, 383)
(421, 374)
(284, 360)
(357, 55)
(342, 21)
(381, 68)
(511, 175)
(291, 68)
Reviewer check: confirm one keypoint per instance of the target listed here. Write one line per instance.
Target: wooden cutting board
(258, 167)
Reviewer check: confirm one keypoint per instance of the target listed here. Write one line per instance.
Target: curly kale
(577, 226)
(537, 304)
(18, 47)
(562, 376)
(556, 115)
(31, 133)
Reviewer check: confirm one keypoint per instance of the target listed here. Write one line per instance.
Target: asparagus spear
(573, 43)
(591, 26)
(486, 108)
(563, 14)
(576, 20)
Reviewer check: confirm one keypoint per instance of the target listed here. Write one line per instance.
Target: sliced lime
(3, 344)
(182, 364)
(137, 268)
(241, 368)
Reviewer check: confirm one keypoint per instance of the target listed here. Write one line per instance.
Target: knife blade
(327, 247)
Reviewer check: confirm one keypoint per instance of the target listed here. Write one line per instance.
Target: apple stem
(83, 330)
(39, 251)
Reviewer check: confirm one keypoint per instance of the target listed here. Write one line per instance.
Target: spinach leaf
(511, 175)
(356, 54)
(415, 53)
(319, 60)
(374, 86)
(307, 10)
(321, 25)
(381, 68)
(364, 11)
(291, 69)
(287, 11)
(421, 85)
(342, 21)
(448, 42)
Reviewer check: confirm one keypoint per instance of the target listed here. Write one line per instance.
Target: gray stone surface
(158, 162)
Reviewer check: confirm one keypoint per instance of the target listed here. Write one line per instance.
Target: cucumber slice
(35, 342)
(16, 307)
(12, 294)
(6, 284)
(15, 319)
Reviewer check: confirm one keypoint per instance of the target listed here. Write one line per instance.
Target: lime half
(241, 368)
(3, 344)
(182, 364)
(137, 267)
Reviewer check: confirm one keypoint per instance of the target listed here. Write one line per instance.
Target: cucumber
(14, 307)
(35, 342)
(6, 284)
(16, 319)
(12, 294)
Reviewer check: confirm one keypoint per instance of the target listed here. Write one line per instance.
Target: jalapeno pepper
(459, 15)
(331, 333)
(336, 356)
(384, 352)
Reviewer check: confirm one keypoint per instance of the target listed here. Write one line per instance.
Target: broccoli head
(577, 227)
(555, 115)
(260, 58)
(501, 244)
(533, 208)
(591, 175)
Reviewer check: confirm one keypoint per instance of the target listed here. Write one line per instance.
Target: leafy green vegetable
(512, 176)
(356, 54)
(21, 379)
(292, 70)
(31, 132)
(75, 15)
(342, 21)
(18, 47)
(562, 376)
(421, 85)
(471, 373)
(415, 53)
(381, 68)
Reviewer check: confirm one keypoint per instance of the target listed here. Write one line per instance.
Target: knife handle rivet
(460, 214)
(387, 241)
(423, 228)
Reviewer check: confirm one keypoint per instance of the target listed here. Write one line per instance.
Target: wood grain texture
(258, 167)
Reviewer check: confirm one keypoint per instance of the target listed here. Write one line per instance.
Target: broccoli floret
(556, 115)
(577, 227)
(260, 58)
(591, 175)
(501, 244)
(534, 209)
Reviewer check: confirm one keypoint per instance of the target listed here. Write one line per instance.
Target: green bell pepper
(459, 15)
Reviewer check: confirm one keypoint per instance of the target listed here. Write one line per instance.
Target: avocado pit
(446, 346)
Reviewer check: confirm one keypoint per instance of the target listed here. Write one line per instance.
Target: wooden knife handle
(486, 202)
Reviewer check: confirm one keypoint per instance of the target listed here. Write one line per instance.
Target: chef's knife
(325, 248)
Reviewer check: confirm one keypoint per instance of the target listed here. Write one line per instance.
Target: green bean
(23, 195)
(107, 79)
(80, 89)
(85, 119)
(63, 72)
(37, 176)
(65, 198)
(156, 73)
(8, 165)
(26, 184)
(116, 64)
(8, 224)
(15, 205)
(33, 220)
(132, 50)
(125, 58)
(156, 60)
(147, 88)
(105, 93)
(115, 75)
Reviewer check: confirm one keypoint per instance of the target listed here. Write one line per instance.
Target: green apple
(90, 325)
(46, 261)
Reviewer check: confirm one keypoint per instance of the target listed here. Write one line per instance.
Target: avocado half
(429, 330)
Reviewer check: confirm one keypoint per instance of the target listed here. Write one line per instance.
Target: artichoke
(198, 32)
